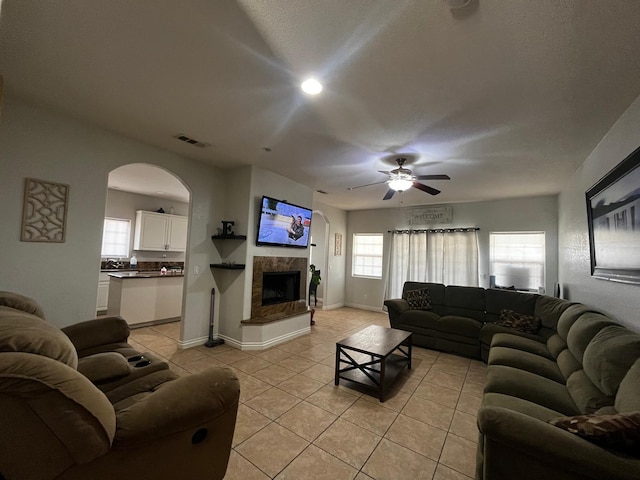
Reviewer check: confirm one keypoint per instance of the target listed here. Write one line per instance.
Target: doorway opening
(319, 256)
(145, 281)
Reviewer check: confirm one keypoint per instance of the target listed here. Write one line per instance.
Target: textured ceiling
(507, 98)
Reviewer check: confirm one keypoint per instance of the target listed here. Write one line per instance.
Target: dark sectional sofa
(580, 362)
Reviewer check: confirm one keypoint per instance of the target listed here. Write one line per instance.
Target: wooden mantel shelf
(228, 266)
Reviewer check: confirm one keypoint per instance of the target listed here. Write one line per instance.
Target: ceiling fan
(401, 179)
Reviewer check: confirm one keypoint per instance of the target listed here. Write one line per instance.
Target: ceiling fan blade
(367, 185)
(384, 171)
(426, 188)
(433, 177)
(389, 194)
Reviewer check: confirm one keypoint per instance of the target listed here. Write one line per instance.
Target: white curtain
(440, 256)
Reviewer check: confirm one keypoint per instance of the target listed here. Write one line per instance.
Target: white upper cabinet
(160, 232)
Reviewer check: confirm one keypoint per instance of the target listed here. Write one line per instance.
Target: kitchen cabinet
(160, 232)
(145, 298)
(103, 292)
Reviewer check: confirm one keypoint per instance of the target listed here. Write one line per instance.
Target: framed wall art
(613, 212)
(44, 211)
(338, 245)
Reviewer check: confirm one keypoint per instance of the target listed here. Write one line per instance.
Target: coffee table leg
(383, 362)
(337, 373)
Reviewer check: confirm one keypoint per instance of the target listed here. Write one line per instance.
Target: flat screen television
(283, 224)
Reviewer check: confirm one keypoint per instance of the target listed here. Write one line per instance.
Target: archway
(319, 253)
(154, 202)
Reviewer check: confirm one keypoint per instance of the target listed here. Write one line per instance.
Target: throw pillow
(419, 299)
(518, 321)
(617, 432)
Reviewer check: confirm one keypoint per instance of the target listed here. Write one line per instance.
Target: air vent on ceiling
(191, 141)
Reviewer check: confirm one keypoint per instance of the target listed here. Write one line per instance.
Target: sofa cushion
(490, 329)
(497, 300)
(618, 432)
(20, 302)
(555, 344)
(609, 356)
(567, 363)
(526, 361)
(518, 321)
(464, 302)
(519, 405)
(521, 343)
(585, 394)
(548, 310)
(583, 330)
(419, 299)
(531, 387)
(418, 318)
(628, 397)
(462, 326)
(568, 318)
(23, 332)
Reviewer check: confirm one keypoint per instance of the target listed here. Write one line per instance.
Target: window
(517, 259)
(367, 255)
(115, 237)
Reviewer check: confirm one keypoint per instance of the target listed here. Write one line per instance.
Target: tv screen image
(283, 224)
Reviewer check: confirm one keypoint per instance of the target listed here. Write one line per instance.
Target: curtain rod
(437, 230)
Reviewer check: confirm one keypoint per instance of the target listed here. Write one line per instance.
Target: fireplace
(280, 287)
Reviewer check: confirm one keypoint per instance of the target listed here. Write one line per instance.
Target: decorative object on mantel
(227, 228)
(429, 215)
(44, 212)
(613, 212)
(338, 245)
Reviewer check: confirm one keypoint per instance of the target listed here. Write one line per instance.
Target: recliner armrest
(100, 331)
(178, 405)
(396, 307)
(528, 448)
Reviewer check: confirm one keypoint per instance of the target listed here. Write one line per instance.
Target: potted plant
(313, 283)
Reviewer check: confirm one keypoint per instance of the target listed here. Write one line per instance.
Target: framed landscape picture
(613, 211)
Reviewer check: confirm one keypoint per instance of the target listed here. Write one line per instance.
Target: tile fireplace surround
(268, 313)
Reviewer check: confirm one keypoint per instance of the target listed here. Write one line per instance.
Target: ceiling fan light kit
(401, 183)
(401, 179)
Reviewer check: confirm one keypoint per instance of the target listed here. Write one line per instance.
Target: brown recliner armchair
(115, 420)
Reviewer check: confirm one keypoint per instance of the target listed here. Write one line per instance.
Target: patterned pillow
(618, 432)
(518, 321)
(419, 299)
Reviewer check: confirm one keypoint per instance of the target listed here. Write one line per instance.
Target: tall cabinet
(160, 232)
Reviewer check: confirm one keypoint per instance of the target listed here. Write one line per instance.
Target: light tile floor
(293, 423)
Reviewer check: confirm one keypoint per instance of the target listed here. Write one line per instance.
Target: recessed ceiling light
(311, 86)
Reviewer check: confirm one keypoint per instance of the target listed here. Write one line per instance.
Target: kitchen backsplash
(142, 266)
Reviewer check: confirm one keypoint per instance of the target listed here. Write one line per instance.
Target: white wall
(62, 277)
(514, 214)
(318, 250)
(619, 300)
(333, 280)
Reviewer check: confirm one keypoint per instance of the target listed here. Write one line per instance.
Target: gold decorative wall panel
(44, 212)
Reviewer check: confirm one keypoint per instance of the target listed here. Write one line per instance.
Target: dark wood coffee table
(373, 357)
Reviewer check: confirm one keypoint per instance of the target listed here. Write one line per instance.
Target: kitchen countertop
(137, 274)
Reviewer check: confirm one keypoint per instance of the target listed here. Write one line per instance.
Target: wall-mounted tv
(283, 224)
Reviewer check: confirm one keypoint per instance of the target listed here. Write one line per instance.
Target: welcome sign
(429, 215)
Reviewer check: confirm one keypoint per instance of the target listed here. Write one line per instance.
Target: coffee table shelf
(373, 358)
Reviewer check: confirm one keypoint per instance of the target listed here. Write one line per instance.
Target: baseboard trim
(273, 341)
(334, 306)
(193, 342)
(371, 308)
